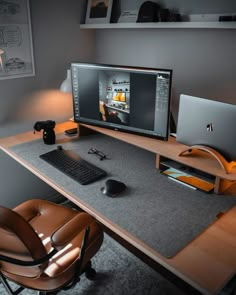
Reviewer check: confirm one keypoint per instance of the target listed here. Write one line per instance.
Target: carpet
(119, 273)
(163, 214)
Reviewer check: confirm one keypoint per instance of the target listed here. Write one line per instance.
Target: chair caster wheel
(90, 274)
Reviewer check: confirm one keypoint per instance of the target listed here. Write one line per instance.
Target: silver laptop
(209, 123)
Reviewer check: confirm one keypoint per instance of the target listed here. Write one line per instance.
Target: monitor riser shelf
(172, 150)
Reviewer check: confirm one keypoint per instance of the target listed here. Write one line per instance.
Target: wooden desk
(207, 263)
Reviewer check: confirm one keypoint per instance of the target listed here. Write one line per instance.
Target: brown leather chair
(45, 246)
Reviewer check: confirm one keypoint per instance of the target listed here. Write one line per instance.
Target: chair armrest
(35, 262)
(71, 229)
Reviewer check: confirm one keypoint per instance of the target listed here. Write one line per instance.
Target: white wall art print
(16, 48)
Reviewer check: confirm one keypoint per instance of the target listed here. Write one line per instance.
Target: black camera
(48, 130)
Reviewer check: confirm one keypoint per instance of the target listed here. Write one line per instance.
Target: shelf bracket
(225, 165)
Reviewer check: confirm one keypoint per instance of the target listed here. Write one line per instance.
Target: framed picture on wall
(16, 47)
(98, 11)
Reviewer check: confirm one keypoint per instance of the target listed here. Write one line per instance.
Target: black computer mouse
(113, 187)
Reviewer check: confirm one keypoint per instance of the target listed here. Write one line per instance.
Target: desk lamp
(66, 84)
(66, 87)
(1, 58)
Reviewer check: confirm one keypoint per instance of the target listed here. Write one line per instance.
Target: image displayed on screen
(114, 89)
(124, 98)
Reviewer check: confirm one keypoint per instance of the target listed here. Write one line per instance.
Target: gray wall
(57, 41)
(203, 60)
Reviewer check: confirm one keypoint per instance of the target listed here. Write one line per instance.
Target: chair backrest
(20, 241)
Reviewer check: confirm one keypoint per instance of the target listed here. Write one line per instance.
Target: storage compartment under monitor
(187, 176)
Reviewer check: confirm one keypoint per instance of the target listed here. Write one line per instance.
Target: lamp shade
(66, 84)
(2, 52)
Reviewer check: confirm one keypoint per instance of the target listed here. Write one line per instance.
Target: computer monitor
(209, 123)
(129, 99)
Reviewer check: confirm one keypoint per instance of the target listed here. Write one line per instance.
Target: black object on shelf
(164, 15)
(148, 12)
(225, 18)
(174, 17)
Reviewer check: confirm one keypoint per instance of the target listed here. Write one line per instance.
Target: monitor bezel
(125, 128)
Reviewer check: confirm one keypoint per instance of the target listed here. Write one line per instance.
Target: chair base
(90, 272)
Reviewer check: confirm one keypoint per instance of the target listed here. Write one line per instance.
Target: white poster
(16, 50)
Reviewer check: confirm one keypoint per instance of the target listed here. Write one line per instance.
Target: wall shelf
(163, 25)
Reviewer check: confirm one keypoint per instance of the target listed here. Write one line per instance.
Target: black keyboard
(72, 165)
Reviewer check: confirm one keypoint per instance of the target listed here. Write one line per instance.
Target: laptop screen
(209, 123)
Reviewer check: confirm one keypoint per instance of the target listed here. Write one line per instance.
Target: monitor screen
(209, 123)
(130, 99)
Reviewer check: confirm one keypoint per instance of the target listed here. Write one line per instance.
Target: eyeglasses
(99, 154)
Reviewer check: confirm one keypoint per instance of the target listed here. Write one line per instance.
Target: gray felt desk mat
(162, 213)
